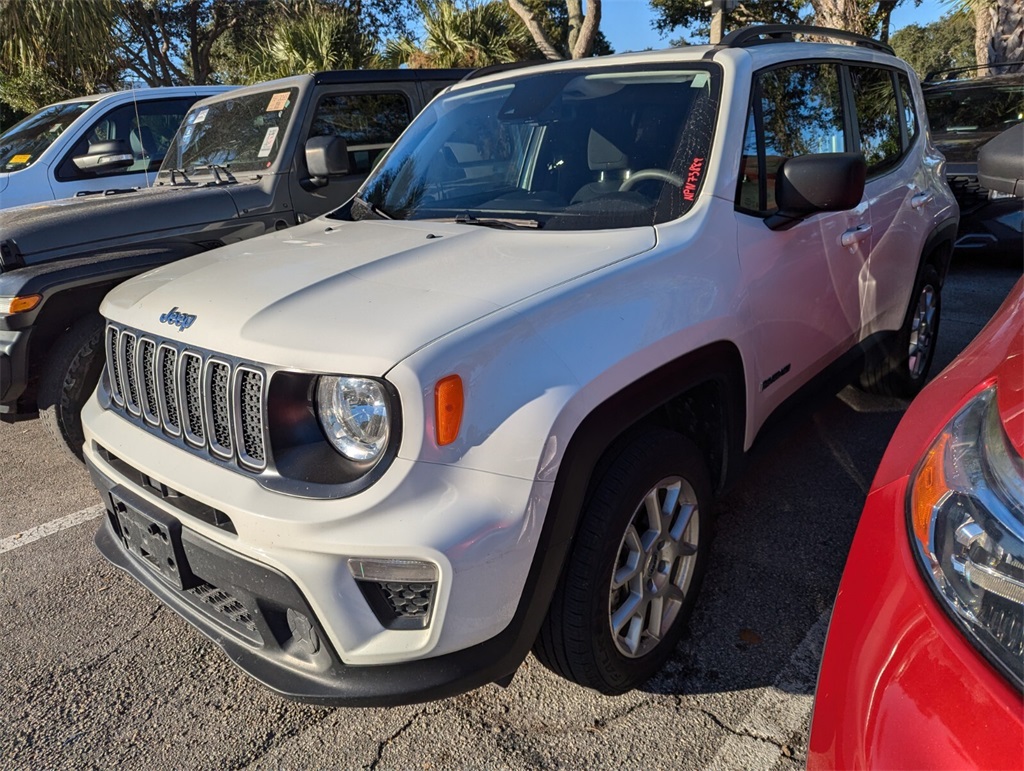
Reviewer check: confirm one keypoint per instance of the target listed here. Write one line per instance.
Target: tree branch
(540, 37)
(588, 33)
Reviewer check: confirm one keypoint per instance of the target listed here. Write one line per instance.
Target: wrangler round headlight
(966, 516)
(354, 414)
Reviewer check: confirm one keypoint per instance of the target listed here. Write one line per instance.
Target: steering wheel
(645, 174)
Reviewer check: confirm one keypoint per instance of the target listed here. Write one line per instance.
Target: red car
(924, 662)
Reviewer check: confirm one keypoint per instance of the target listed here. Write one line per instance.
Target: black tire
(71, 372)
(577, 640)
(900, 367)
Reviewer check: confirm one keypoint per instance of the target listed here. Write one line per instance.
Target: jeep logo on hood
(176, 318)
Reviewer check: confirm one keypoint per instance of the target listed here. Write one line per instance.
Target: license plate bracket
(154, 538)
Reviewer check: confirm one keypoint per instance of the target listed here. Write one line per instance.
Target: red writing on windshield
(693, 175)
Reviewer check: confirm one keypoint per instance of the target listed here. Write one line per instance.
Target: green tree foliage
(305, 37)
(51, 51)
(470, 35)
(695, 17)
(941, 45)
(869, 17)
(171, 42)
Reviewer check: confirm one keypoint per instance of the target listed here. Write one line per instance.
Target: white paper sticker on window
(268, 142)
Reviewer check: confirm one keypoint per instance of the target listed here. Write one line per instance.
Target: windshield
(963, 119)
(602, 148)
(23, 143)
(242, 133)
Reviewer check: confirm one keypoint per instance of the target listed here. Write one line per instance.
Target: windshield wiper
(174, 176)
(503, 223)
(217, 170)
(373, 209)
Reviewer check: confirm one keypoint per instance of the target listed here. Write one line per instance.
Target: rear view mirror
(105, 156)
(326, 157)
(809, 184)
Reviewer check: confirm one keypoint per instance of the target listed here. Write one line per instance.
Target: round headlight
(353, 412)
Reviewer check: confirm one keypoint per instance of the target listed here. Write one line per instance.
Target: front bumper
(13, 369)
(295, 618)
(900, 687)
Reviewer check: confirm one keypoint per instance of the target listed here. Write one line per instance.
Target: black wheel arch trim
(938, 249)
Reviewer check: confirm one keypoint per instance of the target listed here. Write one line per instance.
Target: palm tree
(470, 36)
(55, 50)
(999, 30)
(310, 37)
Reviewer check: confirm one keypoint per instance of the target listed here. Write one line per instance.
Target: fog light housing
(400, 593)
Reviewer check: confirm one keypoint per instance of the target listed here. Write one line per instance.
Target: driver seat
(611, 165)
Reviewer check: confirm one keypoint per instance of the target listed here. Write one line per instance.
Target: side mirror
(809, 184)
(1001, 162)
(326, 157)
(105, 156)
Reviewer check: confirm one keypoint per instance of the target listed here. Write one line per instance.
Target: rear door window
(878, 118)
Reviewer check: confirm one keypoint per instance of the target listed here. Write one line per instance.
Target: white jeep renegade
(486, 406)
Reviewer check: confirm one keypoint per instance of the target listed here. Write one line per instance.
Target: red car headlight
(966, 521)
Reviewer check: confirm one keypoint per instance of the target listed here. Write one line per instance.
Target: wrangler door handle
(919, 200)
(855, 235)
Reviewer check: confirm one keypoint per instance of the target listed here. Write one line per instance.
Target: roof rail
(940, 75)
(758, 34)
(490, 69)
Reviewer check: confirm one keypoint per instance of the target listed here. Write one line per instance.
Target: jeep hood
(73, 226)
(356, 297)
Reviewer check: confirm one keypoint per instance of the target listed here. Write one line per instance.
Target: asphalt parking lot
(96, 673)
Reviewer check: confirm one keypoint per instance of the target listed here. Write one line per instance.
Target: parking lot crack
(735, 732)
(383, 745)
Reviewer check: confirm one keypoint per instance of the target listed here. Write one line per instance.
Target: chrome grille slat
(204, 402)
(191, 378)
(114, 366)
(147, 370)
(168, 394)
(129, 372)
(218, 395)
(249, 401)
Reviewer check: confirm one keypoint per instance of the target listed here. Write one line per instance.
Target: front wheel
(635, 568)
(72, 370)
(900, 368)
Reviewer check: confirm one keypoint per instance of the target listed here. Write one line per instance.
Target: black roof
(376, 76)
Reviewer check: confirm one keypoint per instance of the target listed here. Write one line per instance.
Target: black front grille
(203, 401)
(409, 600)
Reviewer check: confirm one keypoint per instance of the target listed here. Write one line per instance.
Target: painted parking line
(25, 537)
(779, 714)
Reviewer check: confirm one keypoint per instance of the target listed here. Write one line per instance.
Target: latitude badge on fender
(176, 318)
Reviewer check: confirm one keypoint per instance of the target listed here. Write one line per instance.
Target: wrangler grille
(189, 394)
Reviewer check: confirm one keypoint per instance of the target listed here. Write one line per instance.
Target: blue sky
(628, 24)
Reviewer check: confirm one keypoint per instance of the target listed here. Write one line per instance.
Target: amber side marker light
(929, 488)
(11, 305)
(448, 404)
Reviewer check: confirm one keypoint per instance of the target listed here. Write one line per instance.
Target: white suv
(486, 406)
(111, 141)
